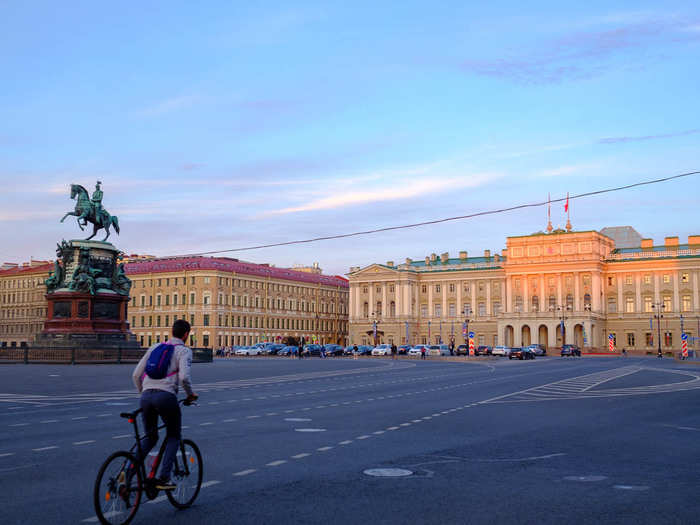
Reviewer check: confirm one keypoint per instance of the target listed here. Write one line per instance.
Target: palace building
(22, 302)
(228, 302)
(592, 284)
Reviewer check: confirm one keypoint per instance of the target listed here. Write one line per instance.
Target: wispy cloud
(585, 53)
(168, 105)
(640, 138)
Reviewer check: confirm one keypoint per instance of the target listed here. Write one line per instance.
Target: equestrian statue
(91, 210)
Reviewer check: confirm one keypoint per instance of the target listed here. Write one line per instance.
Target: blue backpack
(159, 361)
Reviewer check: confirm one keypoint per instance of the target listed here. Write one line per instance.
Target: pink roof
(42, 268)
(178, 264)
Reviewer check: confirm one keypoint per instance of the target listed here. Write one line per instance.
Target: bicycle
(122, 480)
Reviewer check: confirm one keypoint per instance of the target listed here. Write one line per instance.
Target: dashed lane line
(302, 455)
(6, 454)
(41, 449)
(122, 436)
(324, 449)
(276, 463)
(87, 442)
(245, 472)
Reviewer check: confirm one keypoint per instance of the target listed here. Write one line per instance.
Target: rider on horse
(97, 203)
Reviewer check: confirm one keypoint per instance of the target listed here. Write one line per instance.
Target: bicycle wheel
(188, 480)
(118, 489)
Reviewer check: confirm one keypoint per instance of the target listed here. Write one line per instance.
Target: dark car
(521, 353)
(333, 350)
(274, 348)
(462, 350)
(312, 349)
(364, 350)
(287, 350)
(403, 349)
(483, 350)
(570, 351)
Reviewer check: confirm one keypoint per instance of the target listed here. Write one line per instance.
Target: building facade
(230, 302)
(22, 302)
(548, 288)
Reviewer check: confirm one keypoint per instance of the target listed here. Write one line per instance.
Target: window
(496, 308)
(379, 289)
(205, 340)
(667, 303)
(437, 288)
(364, 289)
(174, 299)
(649, 338)
(192, 298)
(452, 288)
(570, 302)
(611, 281)
(423, 288)
(647, 279)
(438, 310)
(517, 284)
(482, 309)
(391, 288)
(628, 279)
(365, 310)
(192, 318)
(667, 278)
(684, 277)
(167, 300)
(207, 280)
(629, 305)
(552, 302)
(587, 301)
(378, 311)
(158, 321)
(424, 310)
(668, 339)
(612, 305)
(535, 303)
(686, 303)
(392, 309)
(453, 308)
(630, 339)
(158, 300)
(647, 304)
(206, 299)
(518, 303)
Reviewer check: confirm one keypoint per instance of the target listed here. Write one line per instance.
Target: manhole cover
(631, 487)
(296, 419)
(310, 429)
(585, 478)
(388, 472)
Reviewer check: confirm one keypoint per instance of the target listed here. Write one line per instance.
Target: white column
(696, 297)
(444, 299)
(544, 295)
(473, 302)
(526, 294)
(503, 295)
(398, 295)
(385, 306)
(358, 306)
(489, 310)
(620, 305)
(508, 307)
(371, 299)
(430, 301)
(460, 311)
(406, 301)
(638, 292)
(595, 302)
(676, 298)
(577, 292)
(657, 292)
(559, 290)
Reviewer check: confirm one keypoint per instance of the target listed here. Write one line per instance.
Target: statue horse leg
(67, 214)
(107, 230)
(94, 232)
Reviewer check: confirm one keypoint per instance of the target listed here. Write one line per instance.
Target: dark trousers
(164, 404)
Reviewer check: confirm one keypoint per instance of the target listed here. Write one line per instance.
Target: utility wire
(449, 219)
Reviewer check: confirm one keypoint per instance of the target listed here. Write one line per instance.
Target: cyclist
(159, 398)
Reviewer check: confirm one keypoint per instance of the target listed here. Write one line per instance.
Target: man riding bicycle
(159, 398)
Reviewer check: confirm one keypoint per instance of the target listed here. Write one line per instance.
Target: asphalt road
(554, 440)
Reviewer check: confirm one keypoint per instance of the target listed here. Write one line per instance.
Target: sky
(223, 125)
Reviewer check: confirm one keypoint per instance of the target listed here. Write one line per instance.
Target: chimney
(433, 257)
(487, 253)
(427, 260)
(463, 255)
(670, 242)
(496, 257)
(647, 244)
(504, 252)
(408, 260)
(445, 257)
(390, 263)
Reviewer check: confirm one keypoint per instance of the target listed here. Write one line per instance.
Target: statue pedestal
(72, 312)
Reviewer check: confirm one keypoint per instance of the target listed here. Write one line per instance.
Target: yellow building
(22, 302)
(592, 284)
(230, 302)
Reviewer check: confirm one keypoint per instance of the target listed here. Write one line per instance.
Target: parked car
(462, 350)
(274, 348)
(570, 351)
(502, 351)
(333, 350)
(521, 353)
(288, 350)
(416, 350)
(312, 349)
(438, 350)
(249, 350)
(364, 350)
(403, 349)
(538, 349)
(382, 349)
(483, 350)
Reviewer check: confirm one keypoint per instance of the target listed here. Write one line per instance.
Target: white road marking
(50, 421)
(41, 449)
(323, 449)
(245, 472)
(252, 417)
(392, 428)
(103, 415)
(84, 442)
(77, 418)
(121, 436)
(4, 455)
(20, 425)
(378, 432)
(276, 463)
(346, 442)
(303, 455)
(205, 424)
(405, 425)
(230, 420)
(363, 437)
(271, 414)
(158, 499)
(210, 483)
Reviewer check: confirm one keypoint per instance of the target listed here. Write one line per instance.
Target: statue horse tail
(115, 223)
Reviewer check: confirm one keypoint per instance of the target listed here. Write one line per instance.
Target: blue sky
(219, 126)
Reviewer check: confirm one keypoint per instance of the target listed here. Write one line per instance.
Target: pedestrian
(452, 348)
(301, 349)
(393, 351)
(624, 353)
(422, 352)
(355, 351)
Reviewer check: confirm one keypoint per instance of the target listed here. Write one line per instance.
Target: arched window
(535, 303)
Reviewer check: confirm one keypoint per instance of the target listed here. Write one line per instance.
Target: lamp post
(658, 308)
(561, 314)
(375, 322)
(467, 312)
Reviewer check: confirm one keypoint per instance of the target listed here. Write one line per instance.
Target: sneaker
(162, 484)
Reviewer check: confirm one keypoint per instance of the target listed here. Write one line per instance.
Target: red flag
(566, 206)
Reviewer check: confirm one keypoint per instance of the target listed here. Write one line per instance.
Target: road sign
(611, 343)
(471, 335)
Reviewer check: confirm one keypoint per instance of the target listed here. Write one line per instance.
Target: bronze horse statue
(85, 211)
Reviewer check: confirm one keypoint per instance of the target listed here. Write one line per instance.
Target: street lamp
(562, 310)
(375, 322)
(659, 308)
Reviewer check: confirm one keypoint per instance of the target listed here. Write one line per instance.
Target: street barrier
(75, 356)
